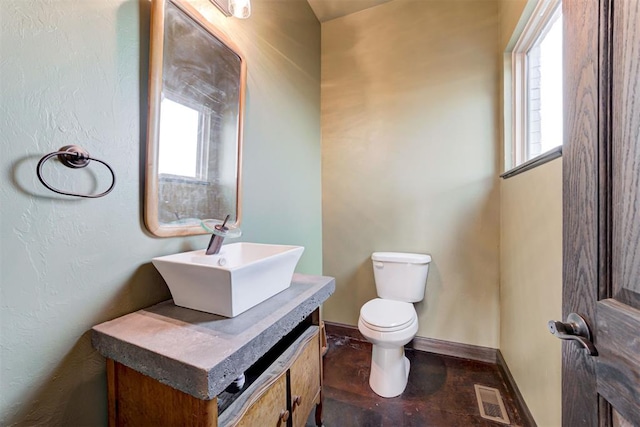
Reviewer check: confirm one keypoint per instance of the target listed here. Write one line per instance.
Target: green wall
(75, 72)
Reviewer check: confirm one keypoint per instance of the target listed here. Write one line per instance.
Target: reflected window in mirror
(183, 142)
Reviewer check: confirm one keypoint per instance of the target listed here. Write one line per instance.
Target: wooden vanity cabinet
(286, 393)
(282, 396)
(169, 366)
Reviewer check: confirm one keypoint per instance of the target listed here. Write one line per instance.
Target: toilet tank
(400, 276)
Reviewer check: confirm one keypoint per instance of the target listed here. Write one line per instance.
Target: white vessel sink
(231, 282)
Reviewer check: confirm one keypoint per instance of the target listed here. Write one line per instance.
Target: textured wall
(531, 286)
(531, 267)
(410, 158)
(75, 71)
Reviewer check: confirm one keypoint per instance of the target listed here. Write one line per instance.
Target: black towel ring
(75, 157)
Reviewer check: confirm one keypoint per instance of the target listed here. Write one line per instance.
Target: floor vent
(491, 405)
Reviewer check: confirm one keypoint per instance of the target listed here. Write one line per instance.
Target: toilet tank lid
(401, 257)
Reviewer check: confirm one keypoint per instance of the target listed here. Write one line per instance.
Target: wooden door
(601, 191)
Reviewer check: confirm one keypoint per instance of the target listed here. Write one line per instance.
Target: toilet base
(389, 371)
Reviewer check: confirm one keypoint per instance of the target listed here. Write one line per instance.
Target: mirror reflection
(195, 129)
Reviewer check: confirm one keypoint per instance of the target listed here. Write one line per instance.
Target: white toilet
(390, 322)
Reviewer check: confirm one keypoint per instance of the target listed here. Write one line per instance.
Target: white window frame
(534, 29)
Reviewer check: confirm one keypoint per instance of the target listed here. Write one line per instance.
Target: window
(183, 136)
(537, 85)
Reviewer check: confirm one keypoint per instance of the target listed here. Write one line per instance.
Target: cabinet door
(305, 382)
(270, 409)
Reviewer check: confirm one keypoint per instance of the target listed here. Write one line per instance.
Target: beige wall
(410, 158)
(510, 13)
(531, 286)
(531, 270)
(75, 72)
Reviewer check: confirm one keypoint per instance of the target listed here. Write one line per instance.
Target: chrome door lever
(575, 329)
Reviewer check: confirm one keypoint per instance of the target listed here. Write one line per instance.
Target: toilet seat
(385, 315)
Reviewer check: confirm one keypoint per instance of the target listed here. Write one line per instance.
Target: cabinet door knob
(284, 415)
(297, 400)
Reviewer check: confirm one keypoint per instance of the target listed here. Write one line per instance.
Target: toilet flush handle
(378, 264)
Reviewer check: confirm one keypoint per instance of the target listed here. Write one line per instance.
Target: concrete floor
(440, 391)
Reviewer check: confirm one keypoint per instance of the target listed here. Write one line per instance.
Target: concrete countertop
(200, 353)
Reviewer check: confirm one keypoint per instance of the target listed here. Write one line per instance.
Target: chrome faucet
(217, 238)
(220, 232)
(214, 245)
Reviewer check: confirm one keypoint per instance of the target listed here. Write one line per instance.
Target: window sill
(535, 162)
(165, 177)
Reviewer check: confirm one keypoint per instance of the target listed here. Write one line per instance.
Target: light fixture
(237, 8)
(240, 8)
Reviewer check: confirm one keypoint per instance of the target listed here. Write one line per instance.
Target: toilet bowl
(391, 322)
(395, 324)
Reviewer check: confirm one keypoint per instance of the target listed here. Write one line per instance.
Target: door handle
(575, 329)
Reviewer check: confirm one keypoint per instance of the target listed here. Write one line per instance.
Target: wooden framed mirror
(197, 81)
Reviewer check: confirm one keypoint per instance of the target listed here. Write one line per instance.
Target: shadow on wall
(79, 371)
(144, 10)
(75, 392)
(363, 274)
